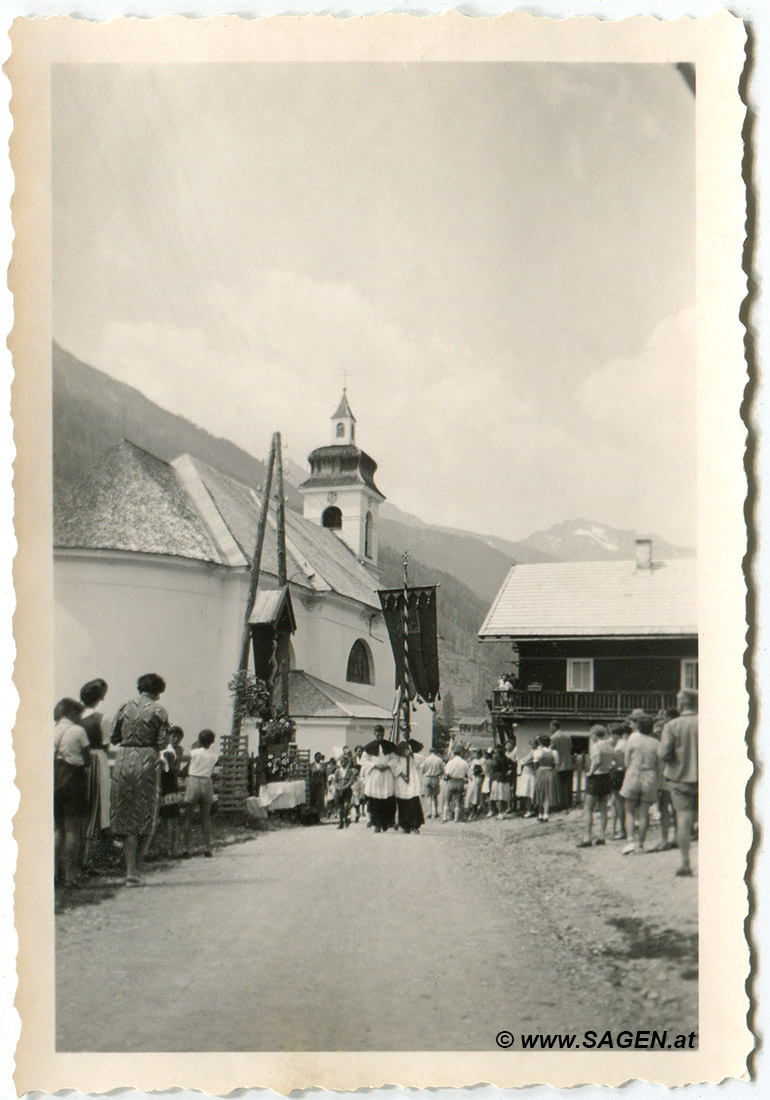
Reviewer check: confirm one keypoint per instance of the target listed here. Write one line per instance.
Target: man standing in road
(432, 770)
(561, 747)
(377, 771)
(679, 753)
(344, 778)
(456, 773)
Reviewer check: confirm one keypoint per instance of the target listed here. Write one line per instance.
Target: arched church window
(332, 518)
(340, 431)
(369, 535)
(360, 665)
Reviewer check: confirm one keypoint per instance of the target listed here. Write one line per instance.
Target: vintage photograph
(463, 295)
(377, 519)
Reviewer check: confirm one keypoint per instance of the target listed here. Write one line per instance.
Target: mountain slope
(587, 540)
(93, 412)
(479, 562)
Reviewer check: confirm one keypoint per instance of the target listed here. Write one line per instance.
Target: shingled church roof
(133, 501)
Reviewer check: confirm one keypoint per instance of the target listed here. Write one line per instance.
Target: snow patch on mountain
(599, 535)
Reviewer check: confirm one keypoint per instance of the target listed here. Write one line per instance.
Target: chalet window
(689, 676)
(332, 518)
(580, 675)
(360, 664)
(340, 431)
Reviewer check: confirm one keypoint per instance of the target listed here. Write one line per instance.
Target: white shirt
(202, 763)
(69, 740)
(456, 768)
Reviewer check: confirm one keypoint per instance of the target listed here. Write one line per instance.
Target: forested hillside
(93, 412)
(468, 669)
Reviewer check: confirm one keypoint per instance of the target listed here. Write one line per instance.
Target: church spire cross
(343, 410)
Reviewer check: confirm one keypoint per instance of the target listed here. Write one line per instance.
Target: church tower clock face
(331, 498)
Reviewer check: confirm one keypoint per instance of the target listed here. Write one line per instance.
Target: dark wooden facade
(628, 673)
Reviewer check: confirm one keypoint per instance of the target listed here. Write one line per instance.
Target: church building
(151, 570)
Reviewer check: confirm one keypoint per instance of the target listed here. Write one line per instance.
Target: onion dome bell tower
(340, 493)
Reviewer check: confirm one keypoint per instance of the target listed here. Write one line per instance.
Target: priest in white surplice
(378, 765)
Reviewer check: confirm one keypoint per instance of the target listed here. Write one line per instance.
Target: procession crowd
(114, 781)
(632, 766)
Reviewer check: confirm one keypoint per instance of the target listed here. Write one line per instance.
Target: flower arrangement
(251, 696)
(276, 730)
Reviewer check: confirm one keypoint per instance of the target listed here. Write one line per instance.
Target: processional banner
(410, 616)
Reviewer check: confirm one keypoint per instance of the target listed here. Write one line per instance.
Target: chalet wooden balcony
(589, 705)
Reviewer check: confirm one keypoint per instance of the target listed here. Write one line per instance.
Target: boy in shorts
(200, 790)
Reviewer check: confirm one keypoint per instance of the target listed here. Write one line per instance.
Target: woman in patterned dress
(140, 731)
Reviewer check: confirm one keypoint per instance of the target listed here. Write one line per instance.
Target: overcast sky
(500, 256)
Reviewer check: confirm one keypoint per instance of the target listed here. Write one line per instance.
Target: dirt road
(316, 939)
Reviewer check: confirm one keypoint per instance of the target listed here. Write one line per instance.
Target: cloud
(461, 440)
(655, 388)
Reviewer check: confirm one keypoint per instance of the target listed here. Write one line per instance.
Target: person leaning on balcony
(640, 786)
(679, 754)
(561, 747)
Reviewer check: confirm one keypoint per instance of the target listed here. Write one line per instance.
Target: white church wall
(118, 616)
(326, 631)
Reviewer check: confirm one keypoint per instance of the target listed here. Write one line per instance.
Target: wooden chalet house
(592, 640)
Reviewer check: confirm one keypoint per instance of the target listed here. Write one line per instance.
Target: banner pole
(405, 620)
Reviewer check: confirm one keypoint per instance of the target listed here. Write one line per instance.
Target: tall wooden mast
(256, 562)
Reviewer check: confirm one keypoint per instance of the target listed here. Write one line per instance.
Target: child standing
(473, 796)
(357, 799)
(170, 795)
(200, 789)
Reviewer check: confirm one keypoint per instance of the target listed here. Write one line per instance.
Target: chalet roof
(310, 697)
(134, 501)
(343, 409)
(595, 599)
(473, 723)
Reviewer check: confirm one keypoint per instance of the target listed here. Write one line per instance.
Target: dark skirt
(170, 795)
(546, 787)
(134, 793)
(70, 790)
(410, 815)
(382, 812)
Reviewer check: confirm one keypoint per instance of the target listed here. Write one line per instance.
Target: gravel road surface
(319, 939)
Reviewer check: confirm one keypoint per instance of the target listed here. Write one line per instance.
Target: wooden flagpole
(256, 562)
(280, 534)
(405, 621)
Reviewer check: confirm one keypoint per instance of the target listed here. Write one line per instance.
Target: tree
(448, 710)
(441, 737)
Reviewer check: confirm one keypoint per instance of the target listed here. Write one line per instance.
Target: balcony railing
(583, 704)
